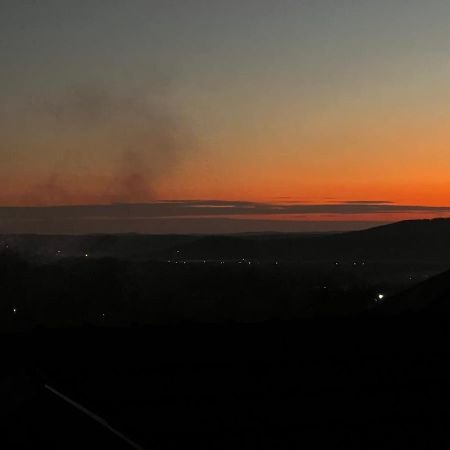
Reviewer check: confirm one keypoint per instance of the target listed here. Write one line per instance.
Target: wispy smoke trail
(98, 144)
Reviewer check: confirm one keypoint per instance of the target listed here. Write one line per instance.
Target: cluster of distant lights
(245, 261)
(102, 315)
(355, 263)
(241, 261)
(204, 261)
(60, 253)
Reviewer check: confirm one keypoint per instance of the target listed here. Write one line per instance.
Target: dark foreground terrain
(377, 379)
(371, 383)
(347, 349)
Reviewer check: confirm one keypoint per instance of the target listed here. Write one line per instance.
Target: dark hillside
(417, 240)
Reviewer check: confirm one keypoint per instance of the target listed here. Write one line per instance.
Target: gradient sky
(313, 101)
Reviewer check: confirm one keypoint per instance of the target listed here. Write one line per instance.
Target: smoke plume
(94, 144)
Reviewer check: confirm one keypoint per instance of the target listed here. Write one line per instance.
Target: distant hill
(412, 240)
(409, 240)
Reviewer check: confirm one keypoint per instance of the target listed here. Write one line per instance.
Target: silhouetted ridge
(408, 240)
(412, 240)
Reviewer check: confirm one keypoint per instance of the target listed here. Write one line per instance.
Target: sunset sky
(261, 103)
